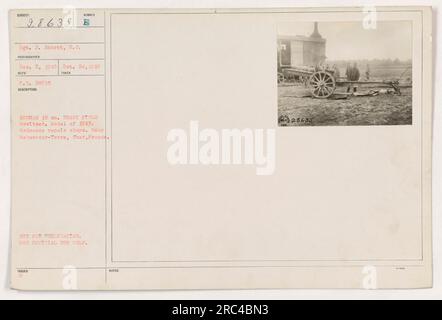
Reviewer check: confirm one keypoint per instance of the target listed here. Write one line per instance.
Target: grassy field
(297, 108)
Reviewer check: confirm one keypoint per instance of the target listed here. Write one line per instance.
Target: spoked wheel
(281, 77)
(322, 84)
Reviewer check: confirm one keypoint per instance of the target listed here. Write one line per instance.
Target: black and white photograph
(344, 73)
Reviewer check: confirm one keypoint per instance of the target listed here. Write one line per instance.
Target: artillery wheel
(281, 77)
(322, 84)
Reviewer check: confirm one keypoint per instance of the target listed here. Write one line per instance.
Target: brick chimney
(316, 33)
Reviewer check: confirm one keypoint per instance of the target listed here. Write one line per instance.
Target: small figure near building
(367, 72)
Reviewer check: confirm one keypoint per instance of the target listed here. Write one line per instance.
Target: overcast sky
(350, 41)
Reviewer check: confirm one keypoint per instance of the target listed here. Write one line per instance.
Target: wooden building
(296, 51)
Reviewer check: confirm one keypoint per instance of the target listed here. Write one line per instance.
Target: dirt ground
(295, 109)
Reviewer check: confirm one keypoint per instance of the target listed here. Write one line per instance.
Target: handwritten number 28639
(49, 23)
